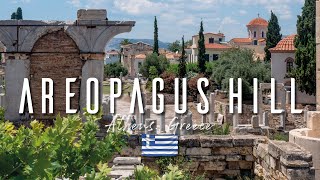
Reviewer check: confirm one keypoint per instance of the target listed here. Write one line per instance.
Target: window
(262, 34)
(289, 64)
(255, 42)
(139, 65)
(206, 57)
(215, 57)
(211, 40)
(220, 39)
(255, 34)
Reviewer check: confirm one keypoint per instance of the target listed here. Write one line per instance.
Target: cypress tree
(19, 14)
(13, 16)
(273, 35)
(156, 41)
(182, 61)
(201, 51)
(305, 42)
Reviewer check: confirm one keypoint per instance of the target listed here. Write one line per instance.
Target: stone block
(244, 140)
(293, 174)
(274, 163)
(198, 151)
(189, 141)
(233, 151)
(245, 165)
(249, 158)
(262, 150)
(214, 165)
(313, 120)
(92, 14)
(208, 158)
(182, 151)
(233, 157)
(255, 121)
(216, 141)
(16, 71)
(127, 160)
(294, 163)
(231, 172)
(233, 165)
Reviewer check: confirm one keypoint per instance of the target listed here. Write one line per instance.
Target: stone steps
(124, 167)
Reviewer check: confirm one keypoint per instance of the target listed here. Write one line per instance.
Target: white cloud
(75, 3)
(140, 6)
(243, 12)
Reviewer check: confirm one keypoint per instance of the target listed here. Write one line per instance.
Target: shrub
(114, 70)
(160, 62)
(193, 86)
(239, 63)
(192, 67)
(69, 149)
(174, 69)
(168, 79)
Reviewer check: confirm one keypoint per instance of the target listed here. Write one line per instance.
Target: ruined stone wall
(282, 160)
(55, 56)
(236, 156)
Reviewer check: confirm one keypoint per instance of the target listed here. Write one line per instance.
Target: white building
(213, 44)
(282, 62)
(257, 33)
(112, 56)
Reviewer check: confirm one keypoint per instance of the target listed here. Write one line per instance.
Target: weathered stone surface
(294, 163)
(214, 165)
(243, 140)
(127, 160)
(16, 71)
(189, 141)
(245, 165)
(233, 157)
(198, 151)
(249, 158)
(124, 167)
(305, 174)
(233, 165)
(216, 141)
(208, 158)
(92, 14)
(231, 172)
(232, 150)
(288, 151)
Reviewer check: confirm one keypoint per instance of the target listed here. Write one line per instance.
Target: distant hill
(115, 43)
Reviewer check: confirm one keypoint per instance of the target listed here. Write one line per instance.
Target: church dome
(258, 22)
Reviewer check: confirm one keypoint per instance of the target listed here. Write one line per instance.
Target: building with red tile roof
(282, 63)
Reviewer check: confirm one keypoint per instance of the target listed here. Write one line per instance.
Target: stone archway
(56, 56)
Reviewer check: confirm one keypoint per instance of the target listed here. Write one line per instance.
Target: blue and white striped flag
(159, 145)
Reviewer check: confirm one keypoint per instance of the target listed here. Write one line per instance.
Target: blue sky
(175, 17)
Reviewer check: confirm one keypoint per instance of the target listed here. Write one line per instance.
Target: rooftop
(258, 22)
(285, 45)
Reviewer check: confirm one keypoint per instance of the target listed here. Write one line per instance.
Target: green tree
(125, 42)
(156, 40)
(160, 62)
(201, 51)
(182, 62)
(115, 70)
(239, 63)
(273, 35)
(305, 42)
(19, 14)
(13, 15)
(175, 46)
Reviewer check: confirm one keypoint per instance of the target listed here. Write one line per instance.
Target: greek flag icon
(159, 145)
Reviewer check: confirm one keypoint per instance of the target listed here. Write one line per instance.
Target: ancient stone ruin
(56, 50)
